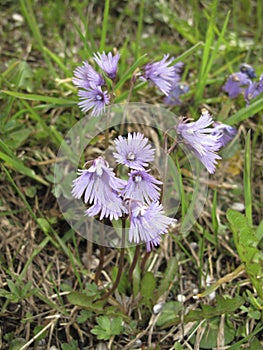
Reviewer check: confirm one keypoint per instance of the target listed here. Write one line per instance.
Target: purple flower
(236, 84)
(148, 223)
(86, 76)
(93, 98)
(155, 242)
(226, 132)
(160, 74)
(254, 89)
(109, 64)
(142, 187)
(178, 89)
(100, 186)
(177, 71)
(248, 70)
(134, 151)
(201, 140)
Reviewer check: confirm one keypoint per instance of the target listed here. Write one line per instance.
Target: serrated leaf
(17, 343)
(84, 316)
(107, 327)
(246, 242)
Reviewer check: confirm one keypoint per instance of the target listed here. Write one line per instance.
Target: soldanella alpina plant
(135, 197)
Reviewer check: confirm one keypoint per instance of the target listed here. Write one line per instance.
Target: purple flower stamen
(142, 187)
(93, 98)
(133, 151)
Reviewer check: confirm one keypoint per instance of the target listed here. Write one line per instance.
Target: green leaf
(169, 313)
(222, 306)
(246, 243)
(84, 316)
(43, 98)
(86, 302)
(73, 345)
(107, 327)
(169, 275)
(148, 286)
(209, 337)
(17, 165)
(247, 112)
(17, 344)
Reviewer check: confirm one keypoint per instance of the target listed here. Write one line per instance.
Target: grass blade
(139, 31)
(54, 100)
(16, 164)
(247, 112)
(105, 25)
(27, 11)
(247, 179)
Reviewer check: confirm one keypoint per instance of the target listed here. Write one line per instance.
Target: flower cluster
(203, 141)
(136, 198)
(93, 89)
(91, 95)
(241, 83)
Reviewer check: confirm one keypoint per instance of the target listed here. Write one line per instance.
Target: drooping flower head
(248, 70)
(148, 223)
(226, 132)
(133, 151)
(177, 90)
(177, 72)
(254, 89)
(201, 140)
(160, 74)
(85, 77)
(108, 63)
(93, 98)
(142, 187)
(100, 186)
(236, 84)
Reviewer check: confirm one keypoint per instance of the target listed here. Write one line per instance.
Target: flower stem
(144, 260)
(102, 254)
(134, 262)
(117, 281)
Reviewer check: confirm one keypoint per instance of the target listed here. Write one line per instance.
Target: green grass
(48, 280)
